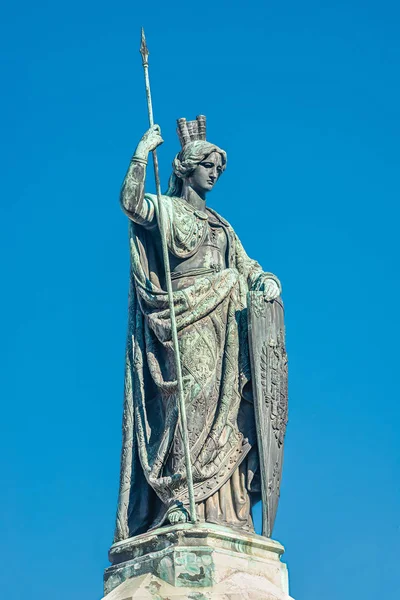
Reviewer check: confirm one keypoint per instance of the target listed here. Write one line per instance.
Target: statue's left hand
(265, 284)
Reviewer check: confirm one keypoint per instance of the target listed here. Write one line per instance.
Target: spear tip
(144, 51)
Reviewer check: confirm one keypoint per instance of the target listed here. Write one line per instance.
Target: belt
(194, 272)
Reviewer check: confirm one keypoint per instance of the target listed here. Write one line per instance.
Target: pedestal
(197, 562)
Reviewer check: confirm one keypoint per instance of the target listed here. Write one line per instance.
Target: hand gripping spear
(161, 225)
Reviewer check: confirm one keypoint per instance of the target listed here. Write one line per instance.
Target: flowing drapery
(212, 331)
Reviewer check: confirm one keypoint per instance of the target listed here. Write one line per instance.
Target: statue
(211, 276)
(205, 405)
(205, 397)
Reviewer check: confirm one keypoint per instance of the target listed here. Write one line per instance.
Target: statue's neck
(193, 197)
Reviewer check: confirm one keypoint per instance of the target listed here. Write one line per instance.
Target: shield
(269, 380)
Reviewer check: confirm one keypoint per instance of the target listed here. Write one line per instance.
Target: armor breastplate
(209, 258)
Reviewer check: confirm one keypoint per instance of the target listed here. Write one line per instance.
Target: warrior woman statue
(211, 276)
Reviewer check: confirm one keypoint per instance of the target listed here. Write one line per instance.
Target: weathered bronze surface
(236, 407)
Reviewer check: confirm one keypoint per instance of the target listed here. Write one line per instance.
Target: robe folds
(213, 341)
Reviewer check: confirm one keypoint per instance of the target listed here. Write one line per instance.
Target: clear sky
(305, 97)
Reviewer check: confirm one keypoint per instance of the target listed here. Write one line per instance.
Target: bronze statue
(234, 393)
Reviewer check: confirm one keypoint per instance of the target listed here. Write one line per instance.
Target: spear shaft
(174, 333)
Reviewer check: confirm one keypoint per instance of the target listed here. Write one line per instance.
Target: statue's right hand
(151, 139)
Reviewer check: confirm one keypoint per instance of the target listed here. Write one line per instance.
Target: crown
(190, 131)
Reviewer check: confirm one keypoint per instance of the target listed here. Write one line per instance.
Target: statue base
(198, 562)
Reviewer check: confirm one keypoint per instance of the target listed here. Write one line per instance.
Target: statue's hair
(186, 161)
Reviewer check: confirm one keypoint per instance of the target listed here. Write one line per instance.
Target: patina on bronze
(231, 402)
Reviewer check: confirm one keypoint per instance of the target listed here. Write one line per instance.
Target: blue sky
(305, 99)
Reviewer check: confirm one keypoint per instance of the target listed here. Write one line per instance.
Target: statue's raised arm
(133, 201)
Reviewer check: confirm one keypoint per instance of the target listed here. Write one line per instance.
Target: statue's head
(200, 164)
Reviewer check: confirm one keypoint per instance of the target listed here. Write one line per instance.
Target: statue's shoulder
(179, 207)
(181, 210)
(216, 217)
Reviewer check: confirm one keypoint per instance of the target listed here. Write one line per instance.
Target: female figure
(211, 275)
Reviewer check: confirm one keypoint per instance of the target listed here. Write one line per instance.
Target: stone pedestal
(198, 562)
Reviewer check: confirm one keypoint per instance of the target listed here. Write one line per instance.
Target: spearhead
(144, 51)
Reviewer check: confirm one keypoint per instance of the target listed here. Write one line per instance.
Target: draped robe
(212, 332)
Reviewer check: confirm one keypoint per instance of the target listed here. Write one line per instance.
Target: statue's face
(205, 175)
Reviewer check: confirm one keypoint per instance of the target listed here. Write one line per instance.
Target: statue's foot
(178, 514)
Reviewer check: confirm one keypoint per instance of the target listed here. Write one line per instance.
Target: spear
(161, 225)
